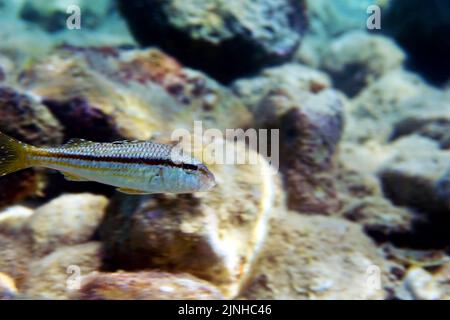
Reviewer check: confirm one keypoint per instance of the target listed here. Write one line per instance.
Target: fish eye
(189, 171)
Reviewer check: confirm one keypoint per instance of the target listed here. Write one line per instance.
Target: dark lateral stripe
(152, 162)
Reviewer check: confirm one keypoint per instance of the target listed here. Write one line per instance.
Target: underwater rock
(423, 33)
(412, 176)
(146, 285)
(363, 161)
(412, 173)
(310, 129)
(55, 276)
(20, 42)
(7, 69)
(297, 101)
(315, 257)
(362, 201)
(186, 95)
(18, 186)
(427, 115)
(66, 220)
(442, 278)
(52, 15)
(357, 58)
(8, 290)
(380, 218)
(214, 236)
(294, 75)
(333, 18)
(420, 285)
(2, 74)
(354, 185)
(373, 113)
(437, 129)
(26, 39)
(311, 51)
(395, 129)
(328, 20)
(25, 118)
(14, 258)
(88, 105)
(106, 94)
(430, 259)
(443, 188)
(13, 219)
(226, 39)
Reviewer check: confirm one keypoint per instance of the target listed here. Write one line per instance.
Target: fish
(133, 167)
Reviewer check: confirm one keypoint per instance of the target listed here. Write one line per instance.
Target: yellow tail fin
(13, 155)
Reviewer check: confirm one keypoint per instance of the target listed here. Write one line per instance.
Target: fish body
(136, 167)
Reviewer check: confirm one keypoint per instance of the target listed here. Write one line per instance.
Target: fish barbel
(135, 167)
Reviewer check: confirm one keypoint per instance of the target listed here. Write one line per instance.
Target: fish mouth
(208, 180)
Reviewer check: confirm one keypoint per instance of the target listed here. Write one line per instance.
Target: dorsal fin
(126, 141)
(75, 142)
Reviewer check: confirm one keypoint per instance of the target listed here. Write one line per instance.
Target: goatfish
(134, 167)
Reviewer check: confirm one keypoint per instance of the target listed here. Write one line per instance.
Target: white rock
(316, 257)
(57, 275)
(12, 219)
(421, 285)
(66, 220)
(357, 58)
(8, 288)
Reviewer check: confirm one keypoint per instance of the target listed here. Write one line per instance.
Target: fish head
(207, 181)
(196, 179)
(190, 174)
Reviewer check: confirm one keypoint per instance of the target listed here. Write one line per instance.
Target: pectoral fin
(72, 177)
(131, 191)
